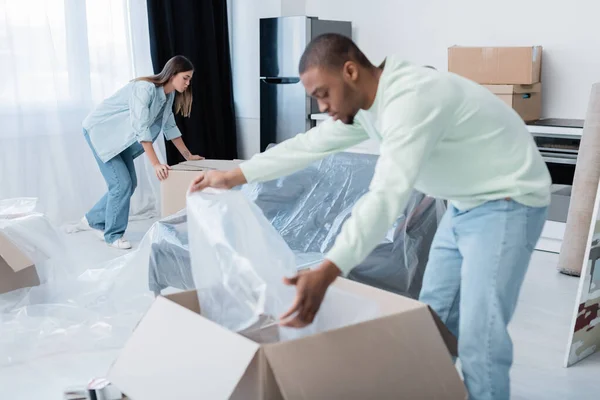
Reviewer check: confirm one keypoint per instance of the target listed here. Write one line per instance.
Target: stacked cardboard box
(512, 73)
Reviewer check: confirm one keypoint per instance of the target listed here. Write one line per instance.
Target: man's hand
(218, 180)
(162, 171)
(311, 287)
(194, 157)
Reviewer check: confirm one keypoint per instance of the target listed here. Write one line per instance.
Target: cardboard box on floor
(497, 65)
(526, 100)
(174, 188)
(404, 353)
(16, 269)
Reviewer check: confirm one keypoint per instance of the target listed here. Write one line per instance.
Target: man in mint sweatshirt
(447, 137)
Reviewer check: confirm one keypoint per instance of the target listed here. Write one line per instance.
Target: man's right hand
(218, 180)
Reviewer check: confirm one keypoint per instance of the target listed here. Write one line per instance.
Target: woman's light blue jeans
(477, 264)
(111, 212)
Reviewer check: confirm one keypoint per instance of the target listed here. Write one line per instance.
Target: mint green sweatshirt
(439, 133)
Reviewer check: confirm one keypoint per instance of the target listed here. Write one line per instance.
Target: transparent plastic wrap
(94, 311)
(169, 263)
(238, 261)
(11, 208)
(398, 264)
(309, 207)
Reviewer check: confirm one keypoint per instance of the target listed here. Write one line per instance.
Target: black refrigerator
(285, 108)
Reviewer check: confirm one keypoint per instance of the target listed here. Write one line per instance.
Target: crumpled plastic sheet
(169, 263)
(169, 260)
(93, 311)
(96, 310)
(398, 264)
(309, 207)
(238, 262)
(11, 208)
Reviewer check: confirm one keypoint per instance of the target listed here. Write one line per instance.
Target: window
(64, 53)
(109, 46)
(33, 52)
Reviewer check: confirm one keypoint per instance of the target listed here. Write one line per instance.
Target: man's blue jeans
(111, 212)
(477, 264)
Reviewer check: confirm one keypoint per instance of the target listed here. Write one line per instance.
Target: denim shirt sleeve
(170, 130)
(139, 109)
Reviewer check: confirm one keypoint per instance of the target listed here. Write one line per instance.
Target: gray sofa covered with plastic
(308, 209)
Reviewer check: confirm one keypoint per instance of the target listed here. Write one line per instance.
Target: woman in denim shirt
(124, 126)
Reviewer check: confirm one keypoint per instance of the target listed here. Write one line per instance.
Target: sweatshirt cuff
(251, 171)
(342, 258)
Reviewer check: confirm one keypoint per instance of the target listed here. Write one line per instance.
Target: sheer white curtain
(58, 59)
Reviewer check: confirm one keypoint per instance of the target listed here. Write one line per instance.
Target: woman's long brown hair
(177, 64)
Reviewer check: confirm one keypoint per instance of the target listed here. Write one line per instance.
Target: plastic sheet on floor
(93, 311)
(98, 309)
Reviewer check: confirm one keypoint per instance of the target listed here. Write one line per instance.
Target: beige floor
(540, 330)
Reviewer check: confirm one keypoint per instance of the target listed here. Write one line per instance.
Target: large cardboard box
(497, 65)
(174, 188)
(16, 269)
(526, 100)
(404, 353)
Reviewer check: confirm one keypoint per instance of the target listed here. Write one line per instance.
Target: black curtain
(197, 29)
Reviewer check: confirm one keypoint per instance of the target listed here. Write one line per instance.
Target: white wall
(421, 31)
(293, 7)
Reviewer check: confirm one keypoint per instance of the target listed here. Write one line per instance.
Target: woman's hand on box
(162, 171)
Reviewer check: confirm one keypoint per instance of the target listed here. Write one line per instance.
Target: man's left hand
(311, 287)
(194, 157)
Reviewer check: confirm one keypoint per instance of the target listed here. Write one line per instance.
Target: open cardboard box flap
(17, 269)
(176, 353)
(12, 255)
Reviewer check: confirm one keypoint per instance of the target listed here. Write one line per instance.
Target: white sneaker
(120, 244)
(84, 225)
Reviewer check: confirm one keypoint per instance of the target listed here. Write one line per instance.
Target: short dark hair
(331, 50)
